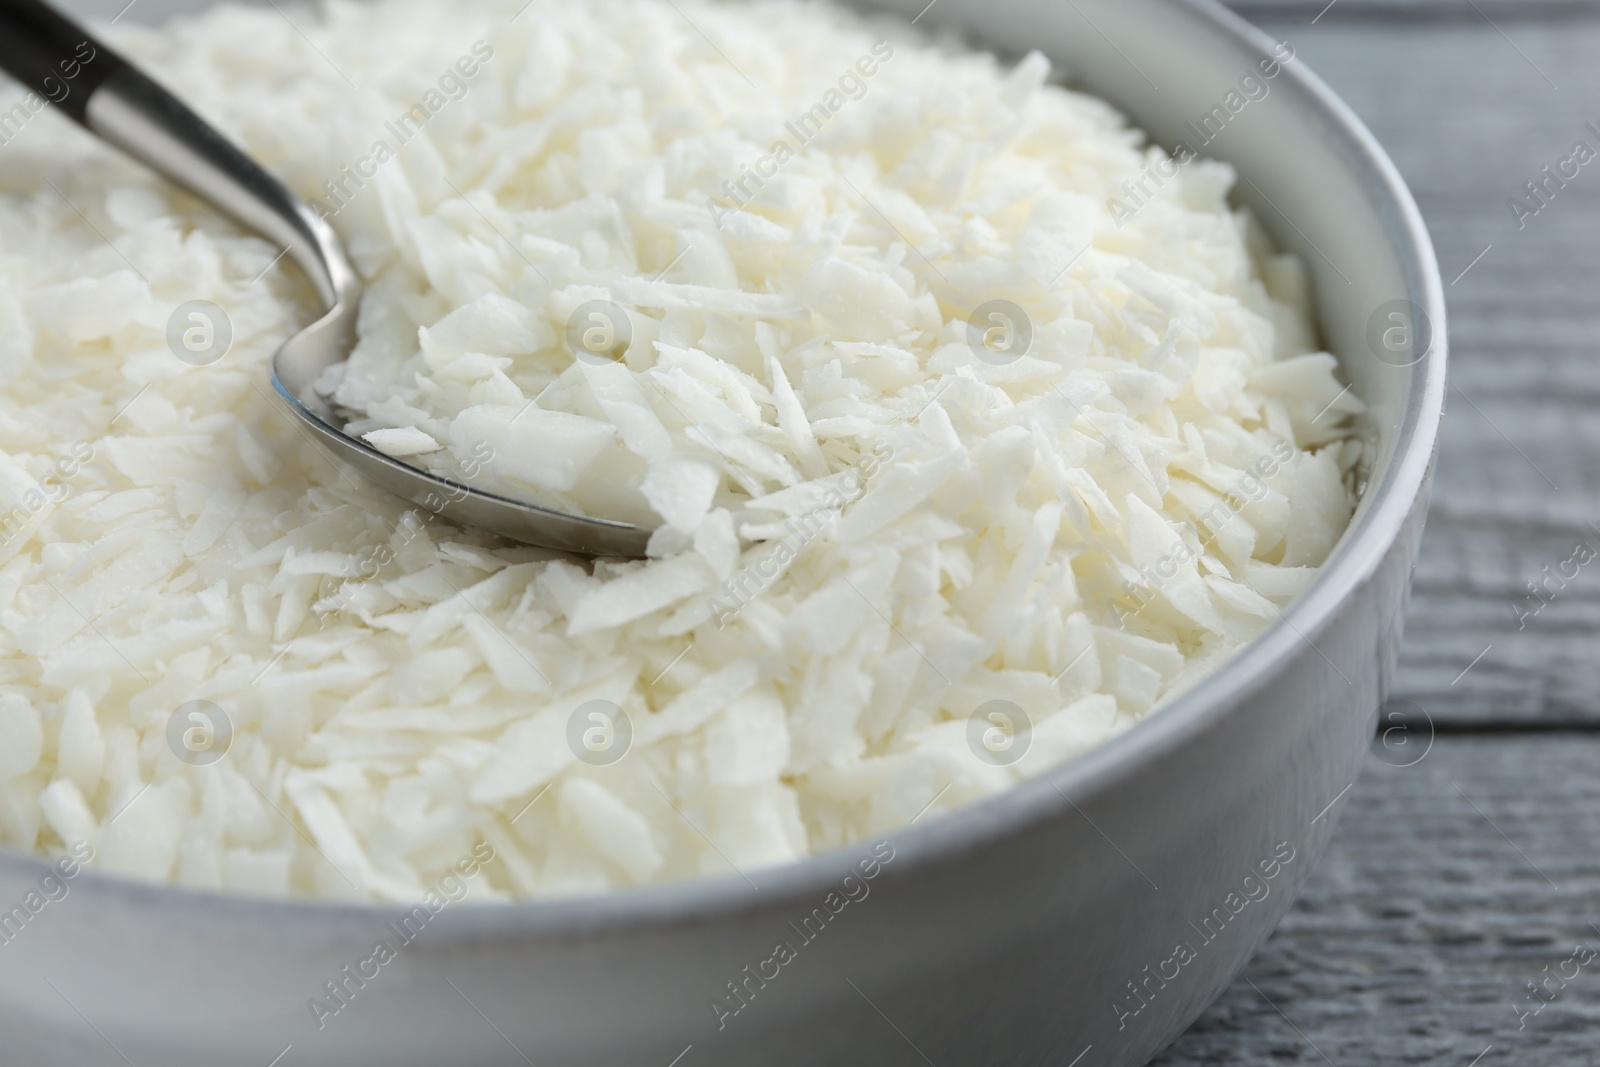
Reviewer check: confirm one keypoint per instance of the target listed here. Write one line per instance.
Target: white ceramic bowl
(1025, 929)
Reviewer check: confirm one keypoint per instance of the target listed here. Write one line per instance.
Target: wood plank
(1449, 885)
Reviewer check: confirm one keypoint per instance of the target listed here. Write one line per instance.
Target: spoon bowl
(125, 108)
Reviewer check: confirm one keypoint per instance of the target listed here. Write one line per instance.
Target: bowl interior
(1321, 187)
(1309, 171)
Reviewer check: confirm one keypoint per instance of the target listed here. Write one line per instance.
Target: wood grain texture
(1449, 886)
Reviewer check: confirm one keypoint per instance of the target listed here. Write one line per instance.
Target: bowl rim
(1384, 510)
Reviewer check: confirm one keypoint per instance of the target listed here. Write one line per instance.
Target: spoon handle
(58, 59)
(53, 56)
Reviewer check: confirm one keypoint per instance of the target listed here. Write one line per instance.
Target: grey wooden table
(1456, 919)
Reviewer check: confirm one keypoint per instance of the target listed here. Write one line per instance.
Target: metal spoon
(52, 55)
